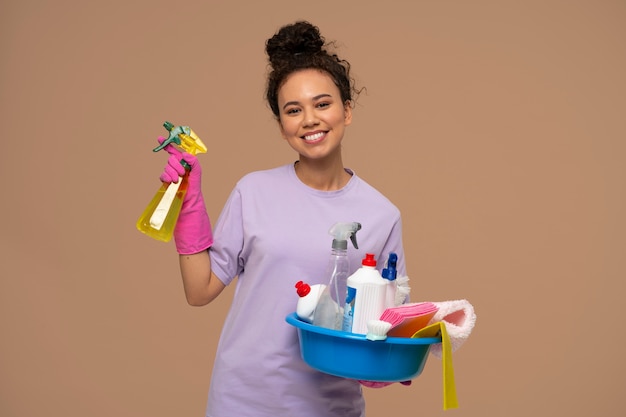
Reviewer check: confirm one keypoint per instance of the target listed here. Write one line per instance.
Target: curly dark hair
(300, 46)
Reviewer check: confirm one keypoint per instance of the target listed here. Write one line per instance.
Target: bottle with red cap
(365, 298)
(307, 300)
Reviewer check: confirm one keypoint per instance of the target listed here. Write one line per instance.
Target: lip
(320, 133)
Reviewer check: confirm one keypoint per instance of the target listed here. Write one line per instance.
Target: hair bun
(298, 38)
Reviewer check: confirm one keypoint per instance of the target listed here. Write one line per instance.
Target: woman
(273, 232)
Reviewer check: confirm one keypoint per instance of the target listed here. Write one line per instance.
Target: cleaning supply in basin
(330, 306)
(377, 330)
(403, 289)
(408, 318)
(308, 296)
(459, 318)
(438, 329)
(365, 296)
(159, 218)
(390, 274)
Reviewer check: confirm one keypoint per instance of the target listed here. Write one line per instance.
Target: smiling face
(312, 116)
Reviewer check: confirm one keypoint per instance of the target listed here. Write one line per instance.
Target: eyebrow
(319, 96)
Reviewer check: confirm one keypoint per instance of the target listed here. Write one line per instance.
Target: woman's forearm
(200, 284)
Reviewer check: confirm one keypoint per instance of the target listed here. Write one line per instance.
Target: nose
(309, 118)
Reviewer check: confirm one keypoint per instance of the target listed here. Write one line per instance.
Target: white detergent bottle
(330, 306)
(366, 297)
(307, 299)
(390, 274)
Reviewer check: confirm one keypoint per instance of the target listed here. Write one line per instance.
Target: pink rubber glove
(374, 384)
(193, 232)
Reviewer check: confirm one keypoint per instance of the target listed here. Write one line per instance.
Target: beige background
(497, 127)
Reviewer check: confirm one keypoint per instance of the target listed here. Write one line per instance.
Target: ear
(347, 113)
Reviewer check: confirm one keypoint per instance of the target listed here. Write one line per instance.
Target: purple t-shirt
(273, 232)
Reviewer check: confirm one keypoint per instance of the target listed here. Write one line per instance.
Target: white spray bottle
(390, 274)
(329, 310)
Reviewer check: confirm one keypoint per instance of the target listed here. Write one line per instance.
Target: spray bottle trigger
(356, 228)
(184, 137)
(172, 137)
(353, 240)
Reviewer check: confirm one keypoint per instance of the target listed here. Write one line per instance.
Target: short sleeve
(225, 253)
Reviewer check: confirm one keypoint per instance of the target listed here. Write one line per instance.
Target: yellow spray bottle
(159, 218)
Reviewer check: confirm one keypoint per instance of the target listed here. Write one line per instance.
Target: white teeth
(315, 136)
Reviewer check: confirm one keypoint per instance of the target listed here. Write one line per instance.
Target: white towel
(459, 319)
(402, 290)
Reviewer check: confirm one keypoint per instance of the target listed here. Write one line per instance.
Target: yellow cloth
(449, 388)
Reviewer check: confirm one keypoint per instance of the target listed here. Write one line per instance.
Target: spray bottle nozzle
(185, 138)
(390, 272)
(341, 232)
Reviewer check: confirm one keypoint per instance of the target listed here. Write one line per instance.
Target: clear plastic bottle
(366, 296)
(329, 310)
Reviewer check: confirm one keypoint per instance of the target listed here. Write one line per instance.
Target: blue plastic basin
(350, 355)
